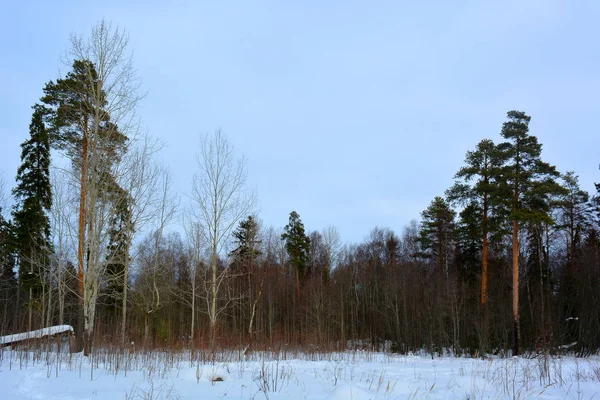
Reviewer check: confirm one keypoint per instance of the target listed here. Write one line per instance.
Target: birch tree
(144, 181)
(153, 297)
(90, 114)
(3, 194)
(64, 234)
(220, 200)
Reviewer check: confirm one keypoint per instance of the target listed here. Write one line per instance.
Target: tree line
(507, 258)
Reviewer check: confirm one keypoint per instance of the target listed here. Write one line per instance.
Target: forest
(93, 235)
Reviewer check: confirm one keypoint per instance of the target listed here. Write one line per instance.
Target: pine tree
(437, 233)
(76, 111)
(479, 185)
(532, 182)
(297, 245)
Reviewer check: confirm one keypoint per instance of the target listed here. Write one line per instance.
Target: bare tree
(112, 89)
(188, 290)
(152, 299)
(145, 181)
(333, 245)
(220, 200)
(64, 234)
(3, 193)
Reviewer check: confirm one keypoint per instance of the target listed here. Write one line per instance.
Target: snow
(339, 376)
(38, 334)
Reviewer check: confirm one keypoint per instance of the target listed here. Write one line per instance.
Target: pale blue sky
(354, 114)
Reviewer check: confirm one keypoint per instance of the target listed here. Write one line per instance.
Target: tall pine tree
(479, 186)
(76, 111)
(532, 181)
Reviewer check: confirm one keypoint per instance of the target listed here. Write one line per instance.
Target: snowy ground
(349, 375)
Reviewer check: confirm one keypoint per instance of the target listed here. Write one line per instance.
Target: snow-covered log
(36, 335)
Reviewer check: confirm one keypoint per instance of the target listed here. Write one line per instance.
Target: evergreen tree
(575, 218)
(76, 111)
(34, 196)
(575, 214)
(246, 242)
(468, 244)
(119, 242)
(7, 242)
(8, 278)
(479, 185)
(532, 182)
(595, 206)
(437, 233)
(297, 245)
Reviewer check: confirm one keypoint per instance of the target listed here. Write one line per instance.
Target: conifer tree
(297, 245)
(479, 185)
(82, 111)
(437, 233)
(119, 244)
(8, 278)
(532, 182)
(469, 244)
(34, 196)
(246, 241)
(575, 213)
(33, 192)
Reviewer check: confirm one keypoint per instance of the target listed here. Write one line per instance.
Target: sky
(353, 114)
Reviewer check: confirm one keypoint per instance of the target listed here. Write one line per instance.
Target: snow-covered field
(348, 375)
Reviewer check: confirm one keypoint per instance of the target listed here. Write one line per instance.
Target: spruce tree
(8, 278)
(297, 245)
(595, 207)
(575, 213)
(437, 233)
(119, 243)
(34, 199)
(34, 196)
(246, 241)
(532, 182)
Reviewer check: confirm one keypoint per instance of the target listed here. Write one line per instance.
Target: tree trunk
(124, 304)
(61, 295)
(81, 240)
(49, 307)
(254, 309)
(484, 279)
(30, 306)
(342, 327)
(297, 283)
(516, 324)
(146, 328)
(193, 327)
(213, 300)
